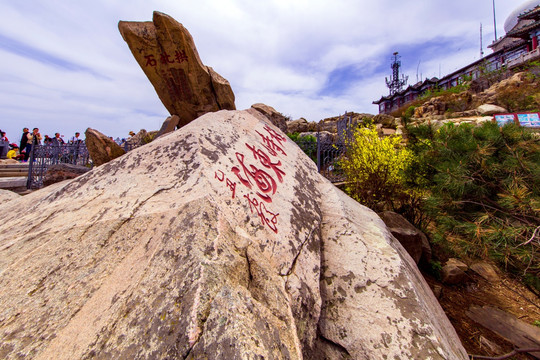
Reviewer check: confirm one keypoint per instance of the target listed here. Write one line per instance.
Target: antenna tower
(396, 84)
(481, 45)
(494, 21)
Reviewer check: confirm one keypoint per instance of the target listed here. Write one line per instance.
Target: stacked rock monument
(166, 52)
(219, 240)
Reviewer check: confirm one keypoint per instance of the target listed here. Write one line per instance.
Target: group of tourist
(22, 151)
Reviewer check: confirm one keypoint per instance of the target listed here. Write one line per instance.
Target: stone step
(12, 182)
(13, 170)
(14, 166)
(4, 174)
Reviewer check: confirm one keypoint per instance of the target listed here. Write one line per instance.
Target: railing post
(318, 152)
(30, 177)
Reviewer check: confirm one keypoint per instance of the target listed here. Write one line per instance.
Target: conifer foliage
(484, 186)
(478, 187)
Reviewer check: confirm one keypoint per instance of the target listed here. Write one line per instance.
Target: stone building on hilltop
(518, 45)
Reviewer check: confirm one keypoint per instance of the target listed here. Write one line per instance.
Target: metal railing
(43, 156)
(328, 156)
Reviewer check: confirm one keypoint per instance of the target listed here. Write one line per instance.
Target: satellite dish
(512, 19)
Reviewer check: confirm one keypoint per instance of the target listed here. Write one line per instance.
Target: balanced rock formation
(101, 148)
(167, 54)
(219, 240)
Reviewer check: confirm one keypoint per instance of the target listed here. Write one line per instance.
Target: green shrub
(375, 168)
(308, 144)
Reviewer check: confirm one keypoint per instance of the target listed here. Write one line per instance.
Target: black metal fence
(328, 156)
(43, 156)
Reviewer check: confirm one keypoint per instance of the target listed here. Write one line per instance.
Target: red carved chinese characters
(268, 218)
(273, 141)
(231, 185)
(259, 172)
(150, 61)
(164, 58)
(180, 56)
(262, 179)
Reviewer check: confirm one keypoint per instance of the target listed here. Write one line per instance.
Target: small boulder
(170, 124)
(60, 172)
(458, 263)
(486, 271)
(490, 109)
(412, 239)
(101, 148)
(451, 274)
(273, 115)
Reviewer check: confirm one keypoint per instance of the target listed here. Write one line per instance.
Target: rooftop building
(518, 45)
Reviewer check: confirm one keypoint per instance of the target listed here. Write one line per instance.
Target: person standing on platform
(24, 146)
(34, 138)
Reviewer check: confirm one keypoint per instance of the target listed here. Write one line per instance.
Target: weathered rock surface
(218, 240)
(412, 239)
(273, 115)
(101, 148)
(167, 54)
(7, 195)
(60, 172)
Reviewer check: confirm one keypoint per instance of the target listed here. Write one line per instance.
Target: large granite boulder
(101, 148)
(167, 54)
(219, 240)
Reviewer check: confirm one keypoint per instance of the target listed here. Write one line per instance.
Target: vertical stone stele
(166, 52)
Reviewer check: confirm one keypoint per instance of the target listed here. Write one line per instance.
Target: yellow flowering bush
(375, 168)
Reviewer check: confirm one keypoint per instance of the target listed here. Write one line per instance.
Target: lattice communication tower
(396, 84)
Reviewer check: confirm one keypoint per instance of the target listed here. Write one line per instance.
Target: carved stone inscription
(259, 173)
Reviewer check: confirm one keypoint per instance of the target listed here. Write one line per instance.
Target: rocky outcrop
(273, 115)
(101, 148)
(60, 172)
(218, 240)
(143, 137)
(167, 54)
(301, 126)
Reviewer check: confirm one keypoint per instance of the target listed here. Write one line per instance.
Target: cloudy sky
(65, 67)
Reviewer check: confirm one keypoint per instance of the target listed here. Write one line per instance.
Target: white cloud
(65, 66)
